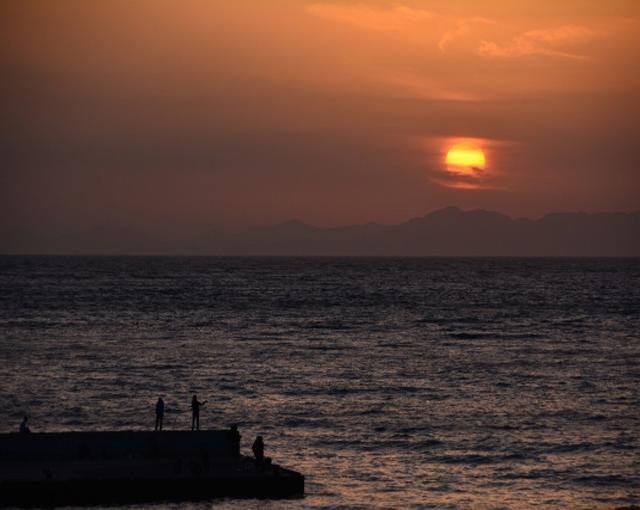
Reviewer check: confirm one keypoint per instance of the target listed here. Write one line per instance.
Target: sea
(409, 383)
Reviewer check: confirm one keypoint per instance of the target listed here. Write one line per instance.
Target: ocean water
(389, 382)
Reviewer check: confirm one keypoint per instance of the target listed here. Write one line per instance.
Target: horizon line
(297, 221)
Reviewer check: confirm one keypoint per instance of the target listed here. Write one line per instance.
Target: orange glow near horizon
(250, 112)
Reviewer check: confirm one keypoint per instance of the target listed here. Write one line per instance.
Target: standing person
(195, 412)
(159, 413)
(258, 450)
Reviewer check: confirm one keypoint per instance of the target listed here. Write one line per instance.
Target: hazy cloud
(392, 19)
(464, 27)
(548, 42)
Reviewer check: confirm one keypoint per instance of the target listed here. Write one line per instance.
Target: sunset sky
(177, 116)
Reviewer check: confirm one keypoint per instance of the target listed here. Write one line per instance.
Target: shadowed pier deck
(85, 468)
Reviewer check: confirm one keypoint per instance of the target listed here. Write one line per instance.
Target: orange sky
(174, 116)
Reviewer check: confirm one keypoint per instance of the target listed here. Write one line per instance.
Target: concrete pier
(87, 468)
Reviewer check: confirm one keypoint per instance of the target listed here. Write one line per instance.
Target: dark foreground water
(390, 383)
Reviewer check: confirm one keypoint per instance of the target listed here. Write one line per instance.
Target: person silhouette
(195, 412)
(24, 429)
(159, 413)
(258, 450)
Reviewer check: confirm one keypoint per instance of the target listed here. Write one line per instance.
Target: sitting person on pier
(258, 450)
(24, 428)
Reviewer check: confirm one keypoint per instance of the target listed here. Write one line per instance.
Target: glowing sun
(465, 160)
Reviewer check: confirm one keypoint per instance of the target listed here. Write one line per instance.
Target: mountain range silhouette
(445, 232)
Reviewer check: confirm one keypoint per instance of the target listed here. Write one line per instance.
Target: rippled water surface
(390, 383)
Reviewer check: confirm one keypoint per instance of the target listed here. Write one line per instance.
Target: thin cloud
(363, 16)
(414, 85)
(546, 42)
(465, 182)
(463, 28)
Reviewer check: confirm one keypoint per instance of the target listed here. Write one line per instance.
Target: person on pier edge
(24, 428)
(258, 450)
(159, 413)
(195, 412)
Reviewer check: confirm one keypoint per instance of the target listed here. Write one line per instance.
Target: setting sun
(465, 159)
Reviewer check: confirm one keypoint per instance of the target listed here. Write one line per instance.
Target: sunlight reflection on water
(390, 383)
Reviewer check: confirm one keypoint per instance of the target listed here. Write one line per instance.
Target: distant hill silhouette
(446, 232)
